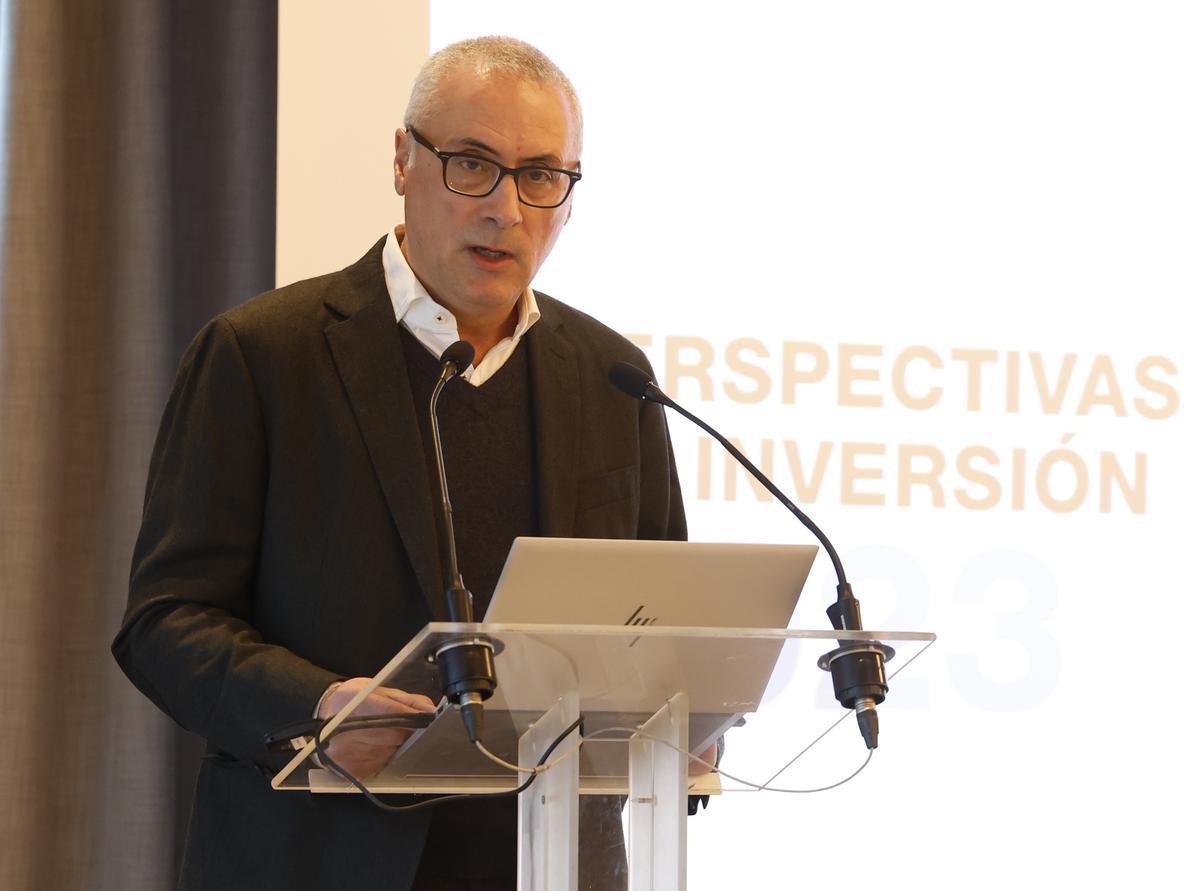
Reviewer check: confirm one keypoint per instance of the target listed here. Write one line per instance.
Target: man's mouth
(490, 253)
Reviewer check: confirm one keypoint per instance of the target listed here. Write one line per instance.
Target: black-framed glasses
(475, 177)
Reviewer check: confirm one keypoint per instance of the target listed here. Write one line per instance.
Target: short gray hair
(487, 56)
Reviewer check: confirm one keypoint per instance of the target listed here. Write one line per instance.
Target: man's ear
(400, 160)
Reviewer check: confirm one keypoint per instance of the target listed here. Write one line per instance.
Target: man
(289, 544)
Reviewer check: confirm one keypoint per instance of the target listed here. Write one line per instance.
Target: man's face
(476, 255)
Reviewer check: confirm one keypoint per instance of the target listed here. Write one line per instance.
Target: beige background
(345, 70)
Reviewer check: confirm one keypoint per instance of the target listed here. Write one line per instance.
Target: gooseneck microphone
(466, 666)
(859, 681)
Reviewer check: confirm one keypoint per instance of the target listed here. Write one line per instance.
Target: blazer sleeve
(188, 639)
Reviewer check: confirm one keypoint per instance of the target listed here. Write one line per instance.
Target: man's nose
(504, 204)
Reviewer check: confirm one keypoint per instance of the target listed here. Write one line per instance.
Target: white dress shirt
(434, 326)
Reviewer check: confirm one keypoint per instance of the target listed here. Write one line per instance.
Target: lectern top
(621, 676)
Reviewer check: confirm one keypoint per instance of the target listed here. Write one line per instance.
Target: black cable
(636, 382)
(374, 720)
(282, 740)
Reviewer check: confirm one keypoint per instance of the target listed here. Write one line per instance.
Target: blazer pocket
(606, 488)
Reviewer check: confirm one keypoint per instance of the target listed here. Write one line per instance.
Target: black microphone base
(857, 674)
(859, 682)
(467, 666)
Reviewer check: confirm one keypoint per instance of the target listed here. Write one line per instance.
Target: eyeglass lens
(474, 176)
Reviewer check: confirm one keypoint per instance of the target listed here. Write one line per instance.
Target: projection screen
(929, 263)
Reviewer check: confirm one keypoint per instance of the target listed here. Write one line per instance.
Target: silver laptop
(584, 581)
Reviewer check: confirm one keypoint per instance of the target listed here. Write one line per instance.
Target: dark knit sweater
(487, 440)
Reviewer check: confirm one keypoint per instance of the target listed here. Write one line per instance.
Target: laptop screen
(582, 581)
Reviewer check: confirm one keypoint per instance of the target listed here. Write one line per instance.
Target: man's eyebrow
(468, 142)
(549, 159)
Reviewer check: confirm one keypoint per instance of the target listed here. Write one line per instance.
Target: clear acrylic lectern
(646, 695)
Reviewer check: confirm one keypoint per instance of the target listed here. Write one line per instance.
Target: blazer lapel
(555, 390)
(366, 348)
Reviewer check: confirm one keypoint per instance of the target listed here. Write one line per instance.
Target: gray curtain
(139, 201)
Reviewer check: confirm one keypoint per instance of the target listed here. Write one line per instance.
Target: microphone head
(630, 379)
(461, 354)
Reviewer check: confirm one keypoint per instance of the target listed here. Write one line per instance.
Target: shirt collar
(430, 322)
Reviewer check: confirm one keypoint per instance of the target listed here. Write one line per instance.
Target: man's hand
(363, 753)
(708, 756)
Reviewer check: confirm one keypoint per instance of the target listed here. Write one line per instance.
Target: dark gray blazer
(289, 540)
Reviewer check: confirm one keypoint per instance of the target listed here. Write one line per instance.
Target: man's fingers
(366, 751)
(380, 701)
(416, 701)
(376, 736)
